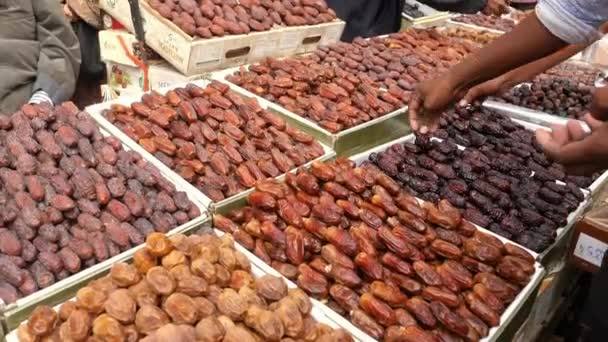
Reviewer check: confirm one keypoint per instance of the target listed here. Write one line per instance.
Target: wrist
(453, 82)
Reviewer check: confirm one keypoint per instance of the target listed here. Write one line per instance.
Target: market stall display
(399, 60)
(199, 36)
(214, 138)
(579, 72)
(482, 20)
(482, 37)
(558, 96)
(330, 96)
(72, 198)
(206, 18)
(209, 291)
(492, 191)
(350, 235)
(124, 65)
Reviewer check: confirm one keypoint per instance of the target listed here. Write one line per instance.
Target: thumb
(550, 146)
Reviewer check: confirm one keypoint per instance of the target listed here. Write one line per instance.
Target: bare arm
(531, 70)
(524, 73)
(527, 42)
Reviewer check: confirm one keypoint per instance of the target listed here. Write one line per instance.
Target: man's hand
(496, 7)
(496, 86)
(428, 101)
(581, 152)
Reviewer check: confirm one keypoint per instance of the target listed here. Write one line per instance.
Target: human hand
(69, 14)
(581, 152)
(496, 7)
(599, 104)
(428, 101)
(495, 86)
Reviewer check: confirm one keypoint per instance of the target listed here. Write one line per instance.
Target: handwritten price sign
(590, 249)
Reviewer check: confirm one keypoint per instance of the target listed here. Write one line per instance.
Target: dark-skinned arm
(524, 73)
(527, 42)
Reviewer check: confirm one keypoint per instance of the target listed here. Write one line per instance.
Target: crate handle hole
(234, 53)
(311, 40)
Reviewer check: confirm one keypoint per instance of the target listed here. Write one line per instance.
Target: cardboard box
(125, 73)
(128, 79)
(196, 55)
(117, 46)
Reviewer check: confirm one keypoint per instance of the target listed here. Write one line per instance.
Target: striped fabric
(39, 97)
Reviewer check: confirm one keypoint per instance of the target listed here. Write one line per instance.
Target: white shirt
(573, 21)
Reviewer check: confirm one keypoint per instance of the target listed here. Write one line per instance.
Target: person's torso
(367, 18)
(20, 49)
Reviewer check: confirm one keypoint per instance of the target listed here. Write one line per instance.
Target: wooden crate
(193, 56)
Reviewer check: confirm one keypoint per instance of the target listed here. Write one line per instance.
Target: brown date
(422, 311)
(377, 309)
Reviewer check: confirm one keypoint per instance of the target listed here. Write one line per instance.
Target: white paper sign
(590, 249)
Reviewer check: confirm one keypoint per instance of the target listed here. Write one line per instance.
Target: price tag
(590, 249)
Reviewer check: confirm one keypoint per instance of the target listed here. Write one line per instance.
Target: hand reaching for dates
(429, 100)
(495, 86)
(580, 151)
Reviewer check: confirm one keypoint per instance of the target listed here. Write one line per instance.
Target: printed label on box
(590, 249)
(173, 45)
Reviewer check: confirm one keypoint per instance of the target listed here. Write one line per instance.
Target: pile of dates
(583, 75)
(504, 142)
(491, 22)
(217, 18)
(552, 95)
(71, 198)
(219, 141)
(493, 192)
(328, 95)
(399, 270)
(183, 288)
(482, 37)
(398, 61)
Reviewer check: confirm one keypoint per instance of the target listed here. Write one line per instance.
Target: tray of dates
(480, 21)
(505, 192)
(348, 113)
(535, 117)
(382, 261)
(476, 36)
(203, 133)
(397, 61)
(74, 201)
(183, 288)
(553, 95)
(533, 120)
(197, 36)
(581, 72)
